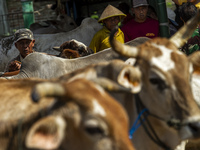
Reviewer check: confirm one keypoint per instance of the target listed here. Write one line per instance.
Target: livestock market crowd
(126, 88)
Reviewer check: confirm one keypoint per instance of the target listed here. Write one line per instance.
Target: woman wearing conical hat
(110, 17)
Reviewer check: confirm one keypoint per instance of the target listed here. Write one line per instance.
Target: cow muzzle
(190, 130)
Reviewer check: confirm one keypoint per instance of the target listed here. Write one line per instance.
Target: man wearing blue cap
(24, 42)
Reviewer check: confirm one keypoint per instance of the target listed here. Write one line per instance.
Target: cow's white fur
(164, 59)
(98, 108)
(80, 43)
(196, 87)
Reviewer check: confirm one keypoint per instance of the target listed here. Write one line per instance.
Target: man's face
(111, 22)
(140, 13)
(25, 46)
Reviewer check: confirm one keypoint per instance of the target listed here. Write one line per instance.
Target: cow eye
(159, 83)
(95, 128)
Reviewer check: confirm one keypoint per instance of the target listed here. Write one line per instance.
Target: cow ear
(130, 77)
(46, 133)
(194, 58)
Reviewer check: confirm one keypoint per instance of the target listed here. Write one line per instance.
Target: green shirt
(193, 44)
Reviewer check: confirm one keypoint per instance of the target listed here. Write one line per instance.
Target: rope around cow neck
(143, 113)
(136, 124)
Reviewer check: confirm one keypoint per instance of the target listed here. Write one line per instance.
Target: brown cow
(66, 49)
(172, 114)
(88, 119)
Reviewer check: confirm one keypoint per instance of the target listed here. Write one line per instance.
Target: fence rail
(9, 23)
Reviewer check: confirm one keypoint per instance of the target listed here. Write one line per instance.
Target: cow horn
(57, 48)
(181, 36)
(47, 89)
(195, 58)
(109, 85)
(122, 49)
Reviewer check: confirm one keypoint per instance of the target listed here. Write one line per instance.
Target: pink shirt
(133, 29)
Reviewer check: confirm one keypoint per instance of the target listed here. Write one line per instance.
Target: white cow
(84, 33)
(45, 42)
(195, 80)
(37, 65)
(63, 23)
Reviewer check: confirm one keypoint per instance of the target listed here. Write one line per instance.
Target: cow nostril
(195, 128)
(35, 97)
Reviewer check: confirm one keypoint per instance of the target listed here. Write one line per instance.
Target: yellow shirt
(100, 40)
(181, 1)
(184, 1)
(198, 5)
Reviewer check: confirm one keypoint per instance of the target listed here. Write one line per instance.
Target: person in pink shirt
(140, 25)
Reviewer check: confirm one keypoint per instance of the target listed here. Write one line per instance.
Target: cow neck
(146, 123)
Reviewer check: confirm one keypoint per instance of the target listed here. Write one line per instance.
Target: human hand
(14, 66)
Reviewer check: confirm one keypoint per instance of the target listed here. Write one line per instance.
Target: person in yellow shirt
(110, 18)
(195, 2)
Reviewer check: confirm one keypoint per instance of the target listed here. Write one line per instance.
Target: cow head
(66, 22)
(75, 45)
(166, 75)
(69, 54)
(88, 119)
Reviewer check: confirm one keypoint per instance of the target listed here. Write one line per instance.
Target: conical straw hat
(111, 11)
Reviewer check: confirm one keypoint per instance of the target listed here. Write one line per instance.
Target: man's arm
(7, 74)
(13, 65)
